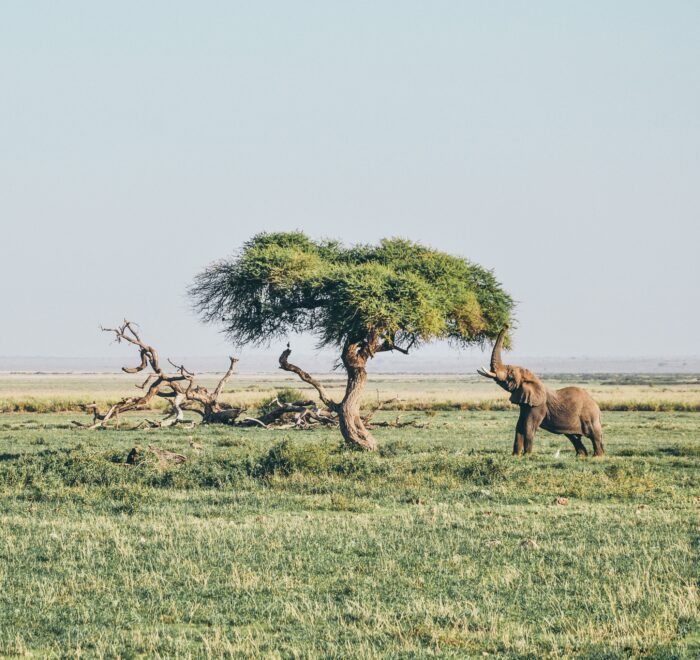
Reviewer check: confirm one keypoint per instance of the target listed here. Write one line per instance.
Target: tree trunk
(354, 356)
(351, 425)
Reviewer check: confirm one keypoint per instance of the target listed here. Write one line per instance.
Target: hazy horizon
(557, 144)
(323, 362)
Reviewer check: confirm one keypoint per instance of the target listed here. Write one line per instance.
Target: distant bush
(284, 395)
(650, 406)
(504, 404)
(289, 395)
(58, 405)
(287, 457)
(445, 406)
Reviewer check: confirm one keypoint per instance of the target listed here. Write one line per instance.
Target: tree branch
(225, 378)
(389, 345)
(307, 378)
(179, 388)
(127, 332)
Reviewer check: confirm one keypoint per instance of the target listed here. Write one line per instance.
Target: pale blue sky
(555, 142)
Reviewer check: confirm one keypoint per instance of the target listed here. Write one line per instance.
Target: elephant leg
(529, 442)
(531, 418)
(520, 432)
(519, 443)
(596, 437)
(578, 445)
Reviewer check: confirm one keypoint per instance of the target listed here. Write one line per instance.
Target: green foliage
(399, 291)
(286, 458)
(284, 395)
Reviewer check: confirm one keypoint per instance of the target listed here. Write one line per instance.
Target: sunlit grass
(283, 544)
(69, 392)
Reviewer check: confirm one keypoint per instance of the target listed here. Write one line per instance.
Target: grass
(283, 544)
(48, 393)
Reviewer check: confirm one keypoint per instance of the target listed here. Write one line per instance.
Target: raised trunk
(351, 425)
(496, 361)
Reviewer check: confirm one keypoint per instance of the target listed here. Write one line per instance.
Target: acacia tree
(363, 300)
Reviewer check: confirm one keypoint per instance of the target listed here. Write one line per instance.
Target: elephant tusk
(484, 372)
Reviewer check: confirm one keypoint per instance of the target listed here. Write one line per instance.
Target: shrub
(285, 395)
(485, 471)
(285, 458)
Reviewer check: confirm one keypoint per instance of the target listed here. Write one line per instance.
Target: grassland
(68, 392)
(282, 544)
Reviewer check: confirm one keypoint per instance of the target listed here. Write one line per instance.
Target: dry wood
(307, 378)
(304, 414)
(178, 388)
(183, 394)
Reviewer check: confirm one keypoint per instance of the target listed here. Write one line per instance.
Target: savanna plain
(283, 543)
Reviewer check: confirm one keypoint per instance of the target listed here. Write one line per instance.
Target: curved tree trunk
(354, 356)
(351, 425)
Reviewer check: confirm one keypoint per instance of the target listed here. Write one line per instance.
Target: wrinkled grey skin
(569, 411)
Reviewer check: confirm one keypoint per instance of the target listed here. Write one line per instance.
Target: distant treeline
(627, 379)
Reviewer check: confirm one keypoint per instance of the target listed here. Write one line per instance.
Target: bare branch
(184, 372)
(377, 408)
(307, 378)
(168, 386)
(141, 367)
(389, 345)
(253, 422)
(149, 355)
(145, 382)
(220, 387)
(184, 394)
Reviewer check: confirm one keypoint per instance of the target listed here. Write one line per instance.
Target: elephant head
(525, 388)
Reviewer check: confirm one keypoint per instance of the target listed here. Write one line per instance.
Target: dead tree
(298, 414)
(183, 394)
(178, 388)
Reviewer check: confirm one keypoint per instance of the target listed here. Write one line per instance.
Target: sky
(555, 143)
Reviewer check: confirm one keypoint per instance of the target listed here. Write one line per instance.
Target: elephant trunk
(496, 361)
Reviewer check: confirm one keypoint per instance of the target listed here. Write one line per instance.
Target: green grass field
(282, 544)
(23, 392)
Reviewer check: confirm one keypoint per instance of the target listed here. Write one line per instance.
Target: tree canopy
(399, 292)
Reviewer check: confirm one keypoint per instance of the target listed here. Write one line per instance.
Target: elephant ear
(531, 391)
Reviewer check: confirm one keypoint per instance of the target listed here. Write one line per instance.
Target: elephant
(569, 411)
